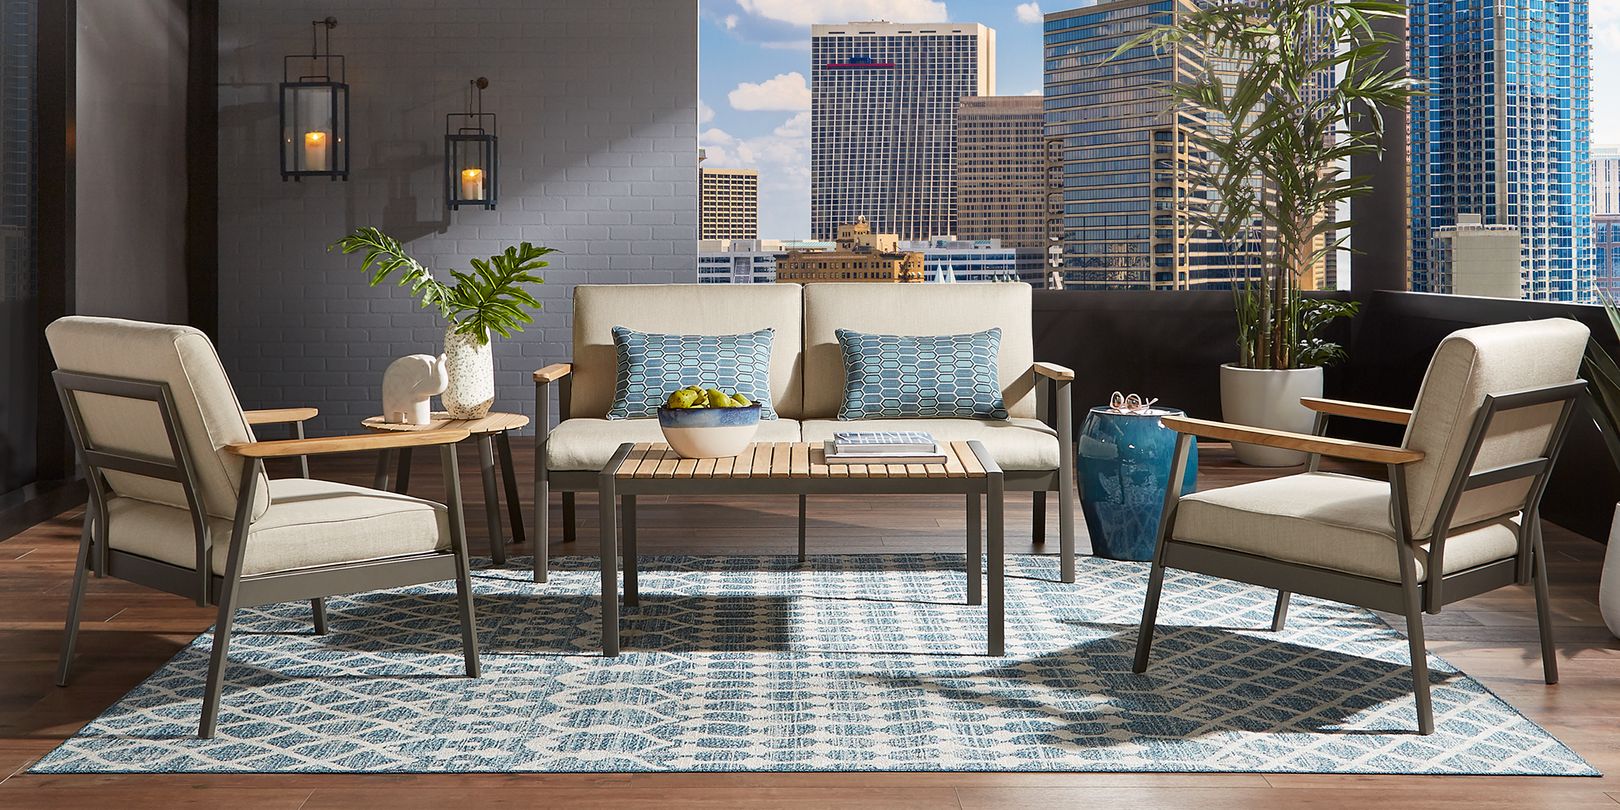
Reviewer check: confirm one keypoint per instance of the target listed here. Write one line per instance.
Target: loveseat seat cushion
(587, 444)
(309, 523)
(1325, 520)
(1016, 444)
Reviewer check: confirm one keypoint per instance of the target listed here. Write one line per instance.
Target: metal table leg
(514, 509)
(402, 477)
(384, 461)
(610, 573)
(975, 551)
(996, 514)
(492, 498)
(801, 529)
(627, 539)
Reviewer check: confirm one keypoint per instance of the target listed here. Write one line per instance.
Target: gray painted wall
(130, 159)
(597, 103)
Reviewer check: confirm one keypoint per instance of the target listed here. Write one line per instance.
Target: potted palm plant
(487, 301)
(1603, 379)
(1289, 93)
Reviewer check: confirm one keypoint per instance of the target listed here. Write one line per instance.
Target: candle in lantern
(472, 184)
(315, 152)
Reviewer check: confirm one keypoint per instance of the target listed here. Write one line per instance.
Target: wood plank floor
(130, 631)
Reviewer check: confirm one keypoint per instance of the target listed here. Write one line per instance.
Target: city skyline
(755, 80)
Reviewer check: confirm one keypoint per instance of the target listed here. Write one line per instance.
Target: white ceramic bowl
(709, 432)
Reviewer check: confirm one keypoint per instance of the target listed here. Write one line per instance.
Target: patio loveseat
(1033, 445)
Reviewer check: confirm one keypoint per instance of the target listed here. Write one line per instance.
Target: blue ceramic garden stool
(1124, 468)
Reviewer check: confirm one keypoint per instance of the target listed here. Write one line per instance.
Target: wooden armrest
(346, 444)
(1338, 448)
(1358, 410)
(277, 416)
(553, 372)
(1053, 371)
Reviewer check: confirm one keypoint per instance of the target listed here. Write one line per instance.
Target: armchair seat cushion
(1016, 444)
(1324, 520)
(309, 524)
(587, 444)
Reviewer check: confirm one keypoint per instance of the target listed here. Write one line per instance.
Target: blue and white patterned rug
(848, 663)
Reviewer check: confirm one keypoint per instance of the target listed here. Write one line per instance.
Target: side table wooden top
(493, 423)
(788, 460)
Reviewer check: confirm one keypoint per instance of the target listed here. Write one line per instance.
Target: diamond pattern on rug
(847, 663)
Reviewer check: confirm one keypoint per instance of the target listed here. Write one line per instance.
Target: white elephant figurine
(409, 384)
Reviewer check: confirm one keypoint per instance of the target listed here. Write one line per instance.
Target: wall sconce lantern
(470, 176)
(315, 112)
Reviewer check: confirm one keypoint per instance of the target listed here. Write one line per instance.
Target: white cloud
(1605, 19)
(731, 22)
(1029, 13)
(806, 12)
(787, 91)
(783, 161)
(705, 112)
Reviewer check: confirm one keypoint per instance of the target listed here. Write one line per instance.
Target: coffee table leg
(380, 479)
(801, 528)
(610, 574)
(997, 536)
(975, 550)
(514, 509)
(492, 498)
(627, 534)
(402, 478)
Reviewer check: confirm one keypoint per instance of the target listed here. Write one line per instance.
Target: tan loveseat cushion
(684, 309)
(1015, 444)
(587, 444)
(309, 523)
(916, 309)
(1338, 522)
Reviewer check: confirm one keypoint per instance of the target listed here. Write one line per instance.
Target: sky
(754, 75)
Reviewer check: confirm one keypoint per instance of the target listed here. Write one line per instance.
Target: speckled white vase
(1609, 584)
(471, 367)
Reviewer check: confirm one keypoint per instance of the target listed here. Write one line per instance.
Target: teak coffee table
(796, 468)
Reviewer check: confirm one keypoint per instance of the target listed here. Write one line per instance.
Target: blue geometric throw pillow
(652, 365)
(894, 376)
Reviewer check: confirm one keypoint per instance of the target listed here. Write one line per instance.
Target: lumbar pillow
(892, 376)
(652, 365)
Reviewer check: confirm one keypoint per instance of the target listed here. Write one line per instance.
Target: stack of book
(883, 447)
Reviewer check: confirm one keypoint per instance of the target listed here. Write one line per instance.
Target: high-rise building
(1503, 130)
(728, 204)
(861, 255)
(1473, 258)
(1123, 153)
(1605, 180)
(746, 261)
(963, 261)
(1606, 249)
(1001, 170)
(884, 99)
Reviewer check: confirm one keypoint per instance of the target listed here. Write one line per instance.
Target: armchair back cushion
(916, 309)
(684, 309)
(209, 414)
(1470, 364)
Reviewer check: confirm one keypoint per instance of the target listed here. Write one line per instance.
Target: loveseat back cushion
(206, 406)
(903, 376)
(916, 309)
(684, 309)
(651, 365)
(1469, 365)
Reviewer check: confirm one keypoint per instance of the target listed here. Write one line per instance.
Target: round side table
(1124, 470)
(492, 433)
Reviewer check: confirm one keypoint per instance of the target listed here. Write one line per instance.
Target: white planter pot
(1269, 399)
(471, 368)
(1609, 585)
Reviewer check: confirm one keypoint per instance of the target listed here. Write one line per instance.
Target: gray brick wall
(598, 137)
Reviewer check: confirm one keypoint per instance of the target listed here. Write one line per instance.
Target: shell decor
(471, 368)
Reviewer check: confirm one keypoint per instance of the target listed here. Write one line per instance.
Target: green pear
(682, 399)
(718, 398)
(742, 401)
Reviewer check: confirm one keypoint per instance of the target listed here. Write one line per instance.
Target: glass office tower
(1124, 152)
(1503, 131)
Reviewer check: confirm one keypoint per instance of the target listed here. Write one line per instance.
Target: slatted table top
(788, 460)
(495, 422)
